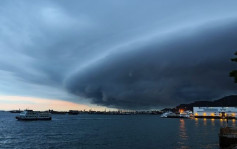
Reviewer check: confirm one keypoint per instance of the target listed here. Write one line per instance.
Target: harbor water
(91, 131)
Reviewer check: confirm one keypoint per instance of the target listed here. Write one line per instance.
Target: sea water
(94, 131)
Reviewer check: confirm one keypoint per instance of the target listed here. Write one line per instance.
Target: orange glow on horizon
(21, 102)
(204, 114)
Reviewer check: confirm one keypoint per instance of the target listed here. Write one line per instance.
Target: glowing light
(204, 119)
(213, 119)
(204, 114)
(212, 114)
(233, 114)
(196, 114)
(181, 110)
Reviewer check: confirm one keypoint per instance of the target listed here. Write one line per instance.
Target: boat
(167, 114)
(33, 115)
(57, 112)
(73, 112)
(175, 115)
(184, 115)
(15, 111)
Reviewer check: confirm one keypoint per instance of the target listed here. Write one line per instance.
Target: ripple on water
(109, 131)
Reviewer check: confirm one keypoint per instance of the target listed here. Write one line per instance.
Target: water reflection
(221, 122)
(182, 135)
(196, 122)
(205, 122)
(213, 122)
(233, 123)
(182, 130)
(229, 122)
(204, 129)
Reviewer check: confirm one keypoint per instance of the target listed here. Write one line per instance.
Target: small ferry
(73, 112)
(167, 114)
(181, 114)
(33, 115)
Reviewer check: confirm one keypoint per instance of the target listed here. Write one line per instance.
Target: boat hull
(177, 117)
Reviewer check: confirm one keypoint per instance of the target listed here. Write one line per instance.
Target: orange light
(204, 119)
(181, 110)
(196, 114)
(225, 114)
(204, 114)
(233, 114)
(212, 119)
(212, 114)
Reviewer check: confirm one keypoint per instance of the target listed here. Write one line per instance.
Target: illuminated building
(215, 112)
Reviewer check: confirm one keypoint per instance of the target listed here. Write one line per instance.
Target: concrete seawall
(228, 137)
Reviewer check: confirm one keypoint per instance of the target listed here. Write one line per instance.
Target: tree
(234, 72)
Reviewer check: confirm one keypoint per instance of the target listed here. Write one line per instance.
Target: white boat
(184, 115)
(175, 115)
(166, 114)
(33, 115)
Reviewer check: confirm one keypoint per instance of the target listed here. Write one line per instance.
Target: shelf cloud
(119, 54)
(190, 65)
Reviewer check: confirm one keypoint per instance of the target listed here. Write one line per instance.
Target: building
(215, 112)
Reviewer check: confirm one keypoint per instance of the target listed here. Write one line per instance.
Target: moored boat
(166, 114)
(73, 112)
(181, 114)
(33, 115)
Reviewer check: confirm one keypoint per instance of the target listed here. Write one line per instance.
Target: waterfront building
(215, 112)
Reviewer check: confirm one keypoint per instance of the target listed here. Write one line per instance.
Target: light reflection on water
(233, 123)
(182, 135)
(213, 122)
(196, 122)
(202, 129)
(205, 122)
(111, 131)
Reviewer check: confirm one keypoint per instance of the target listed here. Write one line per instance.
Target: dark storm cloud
(192, 64)
(127, 54)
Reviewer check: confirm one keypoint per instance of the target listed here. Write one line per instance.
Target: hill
(228, 101)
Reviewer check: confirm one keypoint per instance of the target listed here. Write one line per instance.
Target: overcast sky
(128, 54)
